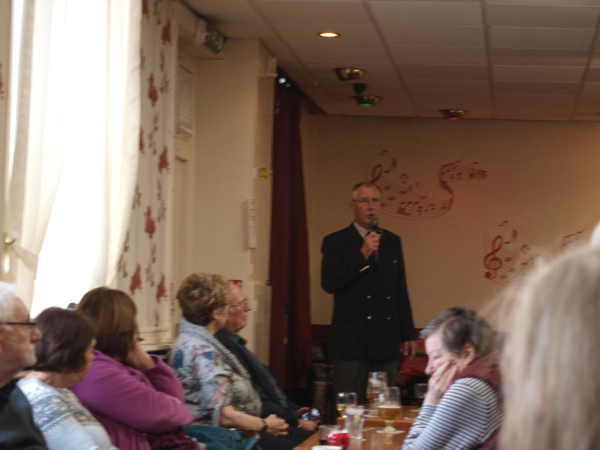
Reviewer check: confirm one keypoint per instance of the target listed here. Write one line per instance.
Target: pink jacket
(130, 403)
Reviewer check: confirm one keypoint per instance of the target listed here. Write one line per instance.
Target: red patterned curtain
(289, 247)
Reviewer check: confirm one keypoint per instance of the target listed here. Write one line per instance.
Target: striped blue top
(468, 413)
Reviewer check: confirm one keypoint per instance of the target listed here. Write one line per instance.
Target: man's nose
(36, 335)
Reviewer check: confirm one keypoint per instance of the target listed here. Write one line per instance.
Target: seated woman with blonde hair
(136, 396)
(462, 408)
(218, 389)
(551, 367)
(64, 356)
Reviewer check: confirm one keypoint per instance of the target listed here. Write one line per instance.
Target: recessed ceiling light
(329, 34)
(453, 114)
(367, 100)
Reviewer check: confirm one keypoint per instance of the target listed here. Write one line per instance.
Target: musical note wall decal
(407, 201)
(504, 259)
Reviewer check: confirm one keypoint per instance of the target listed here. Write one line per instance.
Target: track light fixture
(348, 73)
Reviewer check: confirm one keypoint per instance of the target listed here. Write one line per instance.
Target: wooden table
(371, 439)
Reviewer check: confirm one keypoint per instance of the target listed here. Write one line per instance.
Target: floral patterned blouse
(211, 375)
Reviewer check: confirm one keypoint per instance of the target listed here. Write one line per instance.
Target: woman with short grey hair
(462, 408)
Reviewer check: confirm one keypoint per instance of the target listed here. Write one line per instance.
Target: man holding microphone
(363, 267)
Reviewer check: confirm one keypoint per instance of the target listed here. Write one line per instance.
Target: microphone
(375, 225)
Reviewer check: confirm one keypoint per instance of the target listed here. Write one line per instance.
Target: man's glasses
(31, 325)
(366, 201)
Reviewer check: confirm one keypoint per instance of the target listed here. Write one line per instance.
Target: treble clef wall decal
(491, 260)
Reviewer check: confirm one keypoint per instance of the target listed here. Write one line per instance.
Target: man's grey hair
(367, 184)
(8, 300)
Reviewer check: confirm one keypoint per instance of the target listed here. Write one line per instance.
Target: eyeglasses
(31, 325)
(243, 304)
(366, 201)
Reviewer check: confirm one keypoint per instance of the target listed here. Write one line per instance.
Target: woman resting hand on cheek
(462, 407)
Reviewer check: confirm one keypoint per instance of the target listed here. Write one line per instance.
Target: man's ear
(468, 353)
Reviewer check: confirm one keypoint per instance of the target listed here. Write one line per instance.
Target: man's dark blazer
(372, 312)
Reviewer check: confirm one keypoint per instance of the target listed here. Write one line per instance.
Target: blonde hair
(201, 294)
(551, 361)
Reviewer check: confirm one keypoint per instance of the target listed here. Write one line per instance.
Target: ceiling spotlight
(329, 34)
(453, 114)
(364, 100)
(348, 73)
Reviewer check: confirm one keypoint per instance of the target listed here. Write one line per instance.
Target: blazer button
(368, 317)
(389, 318)
(388, 298)
(368, 296)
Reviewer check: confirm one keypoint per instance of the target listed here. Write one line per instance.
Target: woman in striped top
(462, 408)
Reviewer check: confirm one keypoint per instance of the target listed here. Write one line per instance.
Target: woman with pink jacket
(135, 396)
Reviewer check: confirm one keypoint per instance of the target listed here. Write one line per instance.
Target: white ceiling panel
(538, 57)
(441, 55)
(330, 81)
(532, 88)
(379, 69)
(542, 16)
(546, 2)
(346, 94)
(226, 11)
(363, 34)
(542, 38)
(538, 73)
(325, 52)
(448, 86)
(591, 90)
(247, 31)
(593, 74)
(588, 106)
(435, 36)
(427, 14)
(445, 72)
(556, 107)
(280, 49)
(313, 12)
(479, 106)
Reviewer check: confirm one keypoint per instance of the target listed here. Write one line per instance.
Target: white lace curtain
(75, 146)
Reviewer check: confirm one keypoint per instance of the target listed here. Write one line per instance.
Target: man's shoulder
(340, 234)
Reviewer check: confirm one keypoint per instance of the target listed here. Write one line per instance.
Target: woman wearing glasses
(64, 356)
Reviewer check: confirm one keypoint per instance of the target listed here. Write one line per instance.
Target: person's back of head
(551, 362)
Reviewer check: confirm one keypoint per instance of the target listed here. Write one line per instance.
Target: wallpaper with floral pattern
(143, 266)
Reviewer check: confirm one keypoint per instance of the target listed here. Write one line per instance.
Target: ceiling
(499, 59)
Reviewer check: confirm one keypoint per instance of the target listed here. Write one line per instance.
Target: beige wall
(234, 104)
(542, 177)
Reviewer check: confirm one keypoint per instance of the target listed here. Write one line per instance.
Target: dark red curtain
(289, 247)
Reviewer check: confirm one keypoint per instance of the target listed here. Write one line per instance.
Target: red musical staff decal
(408, 201)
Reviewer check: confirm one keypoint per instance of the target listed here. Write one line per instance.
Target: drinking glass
(375, 382)
(354, 421)
(420, 392)
(390, 408)
(325, 430)
(344, 399)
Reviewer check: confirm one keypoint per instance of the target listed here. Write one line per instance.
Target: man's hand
(302, 410)
(410, 348)
(308, 425)
(370, 244)
(440, 381)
